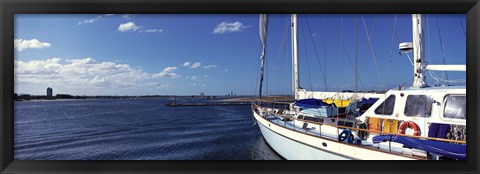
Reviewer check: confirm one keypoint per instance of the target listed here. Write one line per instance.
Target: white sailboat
(412, 123)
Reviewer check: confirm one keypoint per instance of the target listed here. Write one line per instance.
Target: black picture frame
(8, 8)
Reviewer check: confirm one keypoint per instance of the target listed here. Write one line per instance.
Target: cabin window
(386, 108)
(455, 107)
(418, 106)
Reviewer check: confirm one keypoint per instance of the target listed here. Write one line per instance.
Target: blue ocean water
(135, 129)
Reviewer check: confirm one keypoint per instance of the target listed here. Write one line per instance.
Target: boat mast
(356, 54)
(418, 55)
(418, 65)
(295, 56)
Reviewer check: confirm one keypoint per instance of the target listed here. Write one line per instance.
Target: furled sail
(263, 25)
(263, 31)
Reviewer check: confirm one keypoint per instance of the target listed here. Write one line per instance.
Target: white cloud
(127, 16)
(160, 85)
(209, 66)
(21, 44)
(195, 65)
(89, 21)
(226, 27)
(192, 65)
(167, 72)
(203, 85)
(186, 64)
(206, 76)
(84, 74)
(87, 60)
(191, 77)
(226, 70)
(129, 26)
(49, 66)
(153, 31)
(98, 81)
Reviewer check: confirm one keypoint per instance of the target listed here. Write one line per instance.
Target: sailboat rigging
(409, 123)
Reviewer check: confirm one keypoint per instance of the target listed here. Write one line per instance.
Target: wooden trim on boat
(373, 131)
(379, 132)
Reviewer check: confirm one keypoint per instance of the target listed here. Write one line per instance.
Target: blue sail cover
(316, 103)
(310, 103)
(457, 151)
(367, 101)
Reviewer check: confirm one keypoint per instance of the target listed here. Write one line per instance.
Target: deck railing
(255, 104)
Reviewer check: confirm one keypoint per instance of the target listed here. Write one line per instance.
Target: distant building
(202, 94)
(49, 92)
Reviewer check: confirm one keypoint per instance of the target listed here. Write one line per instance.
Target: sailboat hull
(294, 150)
(295, 145)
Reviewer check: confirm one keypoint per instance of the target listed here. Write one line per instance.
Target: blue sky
(215, 54)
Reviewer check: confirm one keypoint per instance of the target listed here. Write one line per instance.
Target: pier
(209, 104)
(234, 101)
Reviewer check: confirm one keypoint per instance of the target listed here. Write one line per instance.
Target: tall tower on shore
(49, 92)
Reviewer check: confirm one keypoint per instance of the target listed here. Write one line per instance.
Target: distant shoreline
(216, 98)
(248, 99)
(237, 99)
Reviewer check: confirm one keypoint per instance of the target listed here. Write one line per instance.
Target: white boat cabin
(422, 106)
